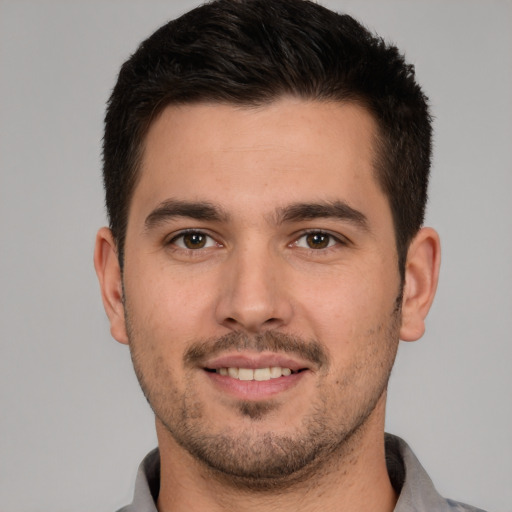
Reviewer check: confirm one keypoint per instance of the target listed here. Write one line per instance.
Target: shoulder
(456, 506)
(147, 485)
(415, 488)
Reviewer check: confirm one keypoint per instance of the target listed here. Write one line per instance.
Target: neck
(353, 479)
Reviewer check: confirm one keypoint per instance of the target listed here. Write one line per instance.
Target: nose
(253, 292)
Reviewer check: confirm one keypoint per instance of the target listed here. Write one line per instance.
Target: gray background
(73, 422)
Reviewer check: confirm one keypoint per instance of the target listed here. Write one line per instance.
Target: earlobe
(108, 271)
(421, 276)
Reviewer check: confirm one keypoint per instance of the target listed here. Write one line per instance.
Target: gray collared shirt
(410, 480)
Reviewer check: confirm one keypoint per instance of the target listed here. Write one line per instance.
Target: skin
(265, 283)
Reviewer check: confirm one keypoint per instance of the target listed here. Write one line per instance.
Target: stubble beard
(257, 460)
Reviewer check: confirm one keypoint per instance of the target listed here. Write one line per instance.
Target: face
(261, 283)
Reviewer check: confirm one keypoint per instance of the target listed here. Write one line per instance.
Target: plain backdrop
(73, 423)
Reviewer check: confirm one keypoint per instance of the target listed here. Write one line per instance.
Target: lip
(255, 390)
(256, 360)
(252, 389)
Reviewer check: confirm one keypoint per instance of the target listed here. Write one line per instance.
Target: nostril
(251, 325)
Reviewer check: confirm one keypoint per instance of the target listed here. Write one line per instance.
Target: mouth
(255, 376)
(258, 374)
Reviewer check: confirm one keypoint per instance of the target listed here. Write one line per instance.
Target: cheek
(168, 305)
(348, 305)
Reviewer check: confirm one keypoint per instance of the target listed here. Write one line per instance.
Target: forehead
(287, 151)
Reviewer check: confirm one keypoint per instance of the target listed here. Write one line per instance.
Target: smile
(259, 374)
(255, 376)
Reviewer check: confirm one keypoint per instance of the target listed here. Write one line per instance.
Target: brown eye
(318, 240)
(193, 240)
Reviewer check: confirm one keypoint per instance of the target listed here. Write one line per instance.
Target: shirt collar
(410, 480)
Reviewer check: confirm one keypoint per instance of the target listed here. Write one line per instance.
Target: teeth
(245, 374)
(276, 371)
(233, 372)
(259, 374)
(262, 374)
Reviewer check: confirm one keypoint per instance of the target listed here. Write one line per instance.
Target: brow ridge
(296, 212)
(325, 209)
(172, 208)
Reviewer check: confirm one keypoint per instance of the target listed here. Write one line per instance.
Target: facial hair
(254, 459)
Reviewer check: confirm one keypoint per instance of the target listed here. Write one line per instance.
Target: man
(266, 167)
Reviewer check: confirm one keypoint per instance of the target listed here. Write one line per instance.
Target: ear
(108, 271)
(421, 276)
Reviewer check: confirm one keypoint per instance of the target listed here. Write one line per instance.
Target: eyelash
(334, 240)
(182, 234)
(331, 242)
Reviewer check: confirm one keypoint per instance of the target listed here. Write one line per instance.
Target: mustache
(269, 341)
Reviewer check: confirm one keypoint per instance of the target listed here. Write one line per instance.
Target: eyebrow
(172, 208)
(296, 212)
(325, 209)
